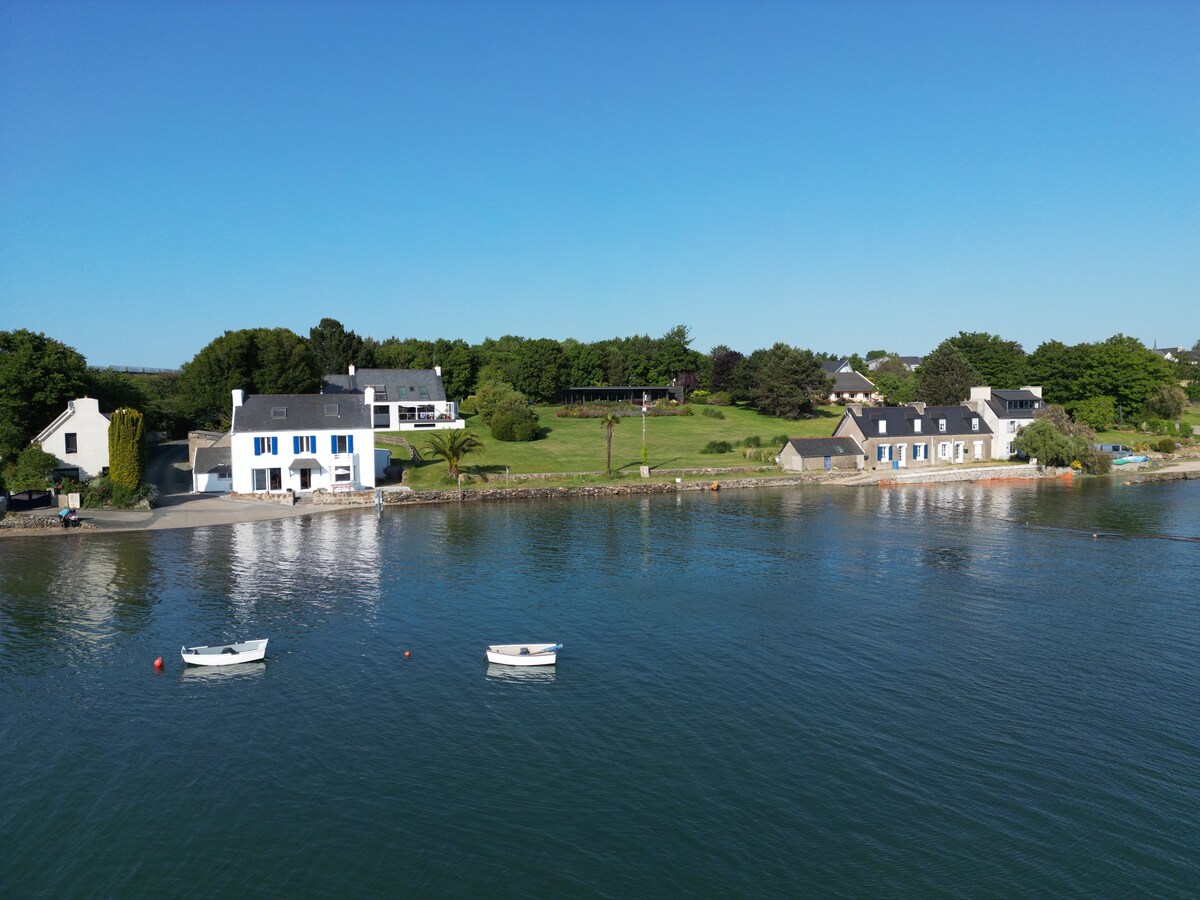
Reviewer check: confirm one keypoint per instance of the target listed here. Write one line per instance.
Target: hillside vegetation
(672, 442)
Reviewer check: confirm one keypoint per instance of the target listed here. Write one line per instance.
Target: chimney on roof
(855, 408)
(437, 370)
(919, 406)
(352, 368)
(1036, 390)
(239, 397)
(368, 395)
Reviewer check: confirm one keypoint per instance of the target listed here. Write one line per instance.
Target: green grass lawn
(1190, 418)
(577, 445)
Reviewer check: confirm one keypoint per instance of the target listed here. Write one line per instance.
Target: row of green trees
(38, 374)
(1101, 383)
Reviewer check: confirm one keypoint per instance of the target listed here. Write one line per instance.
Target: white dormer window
(882, 426)
(917, 425)
(975, 424)
(941, 425)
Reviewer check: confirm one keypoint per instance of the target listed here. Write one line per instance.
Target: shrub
(598, 411)
(1095, 462)
(753, 441)
(779, 440)
(515, 424)
(126, 448)
(712, 413)
(720, 398)
(718, 447)
(1166, 445)
(698, 394)
(33, 469)
(123, 496)
(102, 492)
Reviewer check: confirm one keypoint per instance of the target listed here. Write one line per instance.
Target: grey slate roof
(846, 382)
(1007, 404)
(302, 412)
(399, 384)
(210, 460)
(852, 382)
(900, 421)
(830, 446)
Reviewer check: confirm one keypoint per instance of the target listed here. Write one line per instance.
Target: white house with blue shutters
(302, 443)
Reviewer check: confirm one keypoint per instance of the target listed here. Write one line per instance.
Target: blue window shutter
(333, 443)
(274, 446)
(257, 446)
(295, 443)
(313, 445)
(349, 443)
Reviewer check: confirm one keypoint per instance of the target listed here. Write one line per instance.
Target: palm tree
(609, 422)
(452, 446)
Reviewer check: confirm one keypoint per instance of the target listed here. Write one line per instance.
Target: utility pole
(645, 461)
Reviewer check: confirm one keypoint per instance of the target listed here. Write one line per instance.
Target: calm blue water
(825, 691)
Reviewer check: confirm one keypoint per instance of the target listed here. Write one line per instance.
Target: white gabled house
(79, 438)
(1006, 413)
(302, 442)
(402, 399)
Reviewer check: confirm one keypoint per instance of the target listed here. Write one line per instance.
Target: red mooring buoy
(158, 663)
(407, 653)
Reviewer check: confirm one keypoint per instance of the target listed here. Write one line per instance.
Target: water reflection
(521, 674)
(223, 674)
(306, 558)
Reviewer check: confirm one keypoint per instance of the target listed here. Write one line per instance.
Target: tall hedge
(126, 447)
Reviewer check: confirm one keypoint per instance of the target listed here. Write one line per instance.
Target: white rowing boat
(523, 654)
(224, 654)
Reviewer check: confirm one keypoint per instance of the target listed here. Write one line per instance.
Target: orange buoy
(158, 663)
(408, 653)
(714, 487)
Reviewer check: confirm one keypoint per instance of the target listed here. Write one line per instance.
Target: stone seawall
(394, 497)
(985, 473)
(598, 490)
(21, 521)
(285, 499)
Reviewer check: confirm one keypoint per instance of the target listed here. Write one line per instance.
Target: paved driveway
(168, 469)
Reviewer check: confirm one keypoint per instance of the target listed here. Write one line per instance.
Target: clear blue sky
(841, 176)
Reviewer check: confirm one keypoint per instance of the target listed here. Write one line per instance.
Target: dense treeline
(1118, 378)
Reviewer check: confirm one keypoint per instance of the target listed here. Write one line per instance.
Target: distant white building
(403, 399)
(79, 438)
(911, 363)
(849, 386)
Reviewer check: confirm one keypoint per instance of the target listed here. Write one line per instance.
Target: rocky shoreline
(23, 521)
